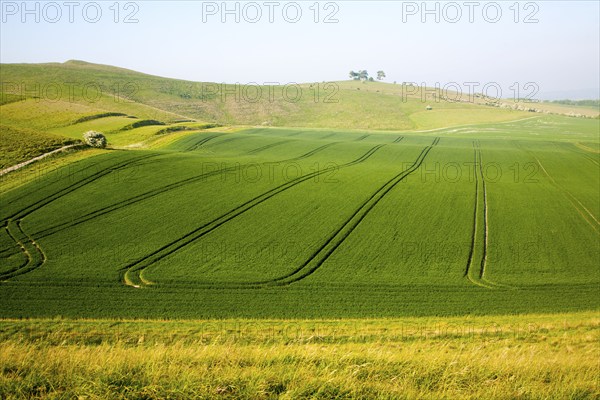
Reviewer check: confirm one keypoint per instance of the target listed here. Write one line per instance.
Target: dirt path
(34, 159)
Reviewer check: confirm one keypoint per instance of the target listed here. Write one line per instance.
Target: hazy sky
(189, 40)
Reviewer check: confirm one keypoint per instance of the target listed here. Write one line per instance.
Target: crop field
(301, 200)
(310, 223)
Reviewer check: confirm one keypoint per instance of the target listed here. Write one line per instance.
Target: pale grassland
(513, 357)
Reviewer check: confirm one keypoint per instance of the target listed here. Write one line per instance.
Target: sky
(548, 47)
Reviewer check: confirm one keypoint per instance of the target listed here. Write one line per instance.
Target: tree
(354, 75)
(95, 139)
(380, 75)
(363, 75)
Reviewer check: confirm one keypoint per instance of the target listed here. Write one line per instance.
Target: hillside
(57, 102)
(347, 105)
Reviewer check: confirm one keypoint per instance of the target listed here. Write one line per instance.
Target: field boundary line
(470, 125)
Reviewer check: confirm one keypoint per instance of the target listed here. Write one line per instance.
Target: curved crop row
(337, 238)
(131, 273)
(155, 192)
(35, 255)
(202, 141)
(480, 227)
(268, 146)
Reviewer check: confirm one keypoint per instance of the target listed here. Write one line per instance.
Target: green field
(364, 248)
(294, 223)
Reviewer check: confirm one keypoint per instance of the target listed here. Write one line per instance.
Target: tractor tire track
(228, 140)
(153, 193)
(269, 146)
(70, 166)
(335, 240)
(28, 244)
(363, 137)
(398, 139)
(483, 261)
(202, 141)
(478, 277)
(321, 255)
(572, 147)
(77, 185)
(312, 152)
(22, 249)
(582, 210)
(469, 269)
(579, 207)
(130, 274)
(34, 254)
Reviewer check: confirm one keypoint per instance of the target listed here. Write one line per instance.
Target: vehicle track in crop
(398, 139)
(311, 153)
(573, 148)
(203, 141)
(155, 192)
(27, 244)
(21, 251)
(480, 218)
(34, 256)
(229, 140)
(335, 240)
(70, 167)
(132, 273)
(268, 146)
(77, 185)
(361, 138)
(584, 151)
(582, 210)
(323, 253)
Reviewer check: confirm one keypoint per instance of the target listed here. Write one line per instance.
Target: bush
(95, 139)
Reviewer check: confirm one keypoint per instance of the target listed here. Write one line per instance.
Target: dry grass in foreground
(505, 357)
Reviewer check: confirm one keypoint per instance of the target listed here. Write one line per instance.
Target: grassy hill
(57, 102)
(76, 86)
